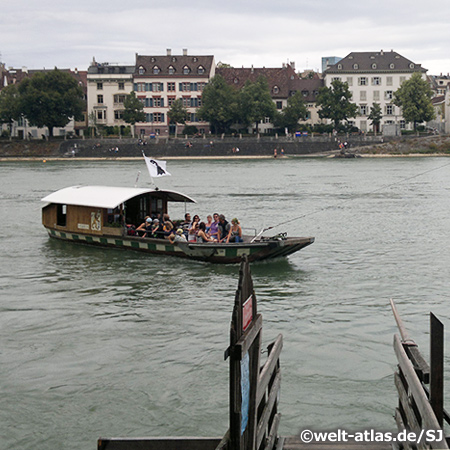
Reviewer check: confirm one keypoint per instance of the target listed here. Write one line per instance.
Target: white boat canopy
(107, 196)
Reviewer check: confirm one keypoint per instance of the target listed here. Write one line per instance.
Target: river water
(100, 342)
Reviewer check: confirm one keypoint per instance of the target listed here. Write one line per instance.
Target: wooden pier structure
(254, 391)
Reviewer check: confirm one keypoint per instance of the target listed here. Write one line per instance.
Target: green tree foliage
(295, 110)
(219, 105)
(255, 102)
(134, 109)
(414, 97)
(51, 99)
(178, 113)
(335, 103)
(375, 116)
(9, 105)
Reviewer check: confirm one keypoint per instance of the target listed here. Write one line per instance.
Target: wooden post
(437, 367)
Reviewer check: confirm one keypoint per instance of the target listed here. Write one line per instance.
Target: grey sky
(48, 33)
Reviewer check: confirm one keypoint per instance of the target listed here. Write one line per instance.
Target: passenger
(166, 218)
(168, 229)
(157, 229)
(192, 234)
(145, 227)
(178, 236)
(186, 224)
(208, 224)
(214, 230)
(235, 233)
(224, 228)
(202, 236)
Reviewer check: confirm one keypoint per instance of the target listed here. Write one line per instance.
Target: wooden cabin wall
(80, 219)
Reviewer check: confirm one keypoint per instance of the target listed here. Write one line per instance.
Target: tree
(219, 104)
(295, 110)
(178, 113)
(134, 109)
(51, 99)
(414, 97)
(9, 105)
(256, 102)
(335, 104)
(375, 116)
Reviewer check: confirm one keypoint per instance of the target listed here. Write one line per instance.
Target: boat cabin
(104, 210)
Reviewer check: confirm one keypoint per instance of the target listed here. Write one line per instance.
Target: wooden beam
(268, 368)
(161, 443)
(437, 367)
(245, 342)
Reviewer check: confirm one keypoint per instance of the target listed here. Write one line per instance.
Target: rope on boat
(352, 198)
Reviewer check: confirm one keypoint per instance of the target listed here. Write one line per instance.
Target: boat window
(61, 215)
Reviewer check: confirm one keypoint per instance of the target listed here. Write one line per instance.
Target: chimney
(293, 65)
(185, 51)
(169, 52)
(381, 53)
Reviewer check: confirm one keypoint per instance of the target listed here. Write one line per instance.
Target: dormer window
(374, 66)
(355, 66)
(141, 70)
(174, 59)
(392, 66)
(186, 70)
(305, 93)
(276, 90)
(153, 59)
(236, 80)
(411, 66)
(194, 59)
(156, 70)
(171, 70)
(201, 70)
(339, 66)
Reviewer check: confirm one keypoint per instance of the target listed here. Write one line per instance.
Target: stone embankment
(228, 147)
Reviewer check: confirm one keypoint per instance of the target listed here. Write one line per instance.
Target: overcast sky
(68, 34)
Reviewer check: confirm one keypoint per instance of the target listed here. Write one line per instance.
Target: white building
(107, 86)
(373, 77)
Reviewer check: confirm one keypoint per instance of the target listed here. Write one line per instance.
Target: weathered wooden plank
(412, 423)
(437, 368)
(161, 443)
(245, 342)
(273, 432)
(429, 420)
(269, 367)
(225, 442)
(264, 420)
(401, 328)
(401, 426)
(418, 361)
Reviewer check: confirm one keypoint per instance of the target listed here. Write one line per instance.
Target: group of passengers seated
(215, 229)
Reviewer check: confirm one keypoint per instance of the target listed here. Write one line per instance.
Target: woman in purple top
(214, 229)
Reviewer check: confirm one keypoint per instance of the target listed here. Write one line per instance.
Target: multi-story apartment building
(160, 80)
(107, 86)
(283, 82)
(373, 77)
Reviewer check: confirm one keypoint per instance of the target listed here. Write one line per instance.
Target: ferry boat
(97, 215)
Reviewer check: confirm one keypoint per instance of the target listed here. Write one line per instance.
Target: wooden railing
(420, 409)
(254, 390)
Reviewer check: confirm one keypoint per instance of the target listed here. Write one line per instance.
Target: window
(118, 114)
(201, 85)
(363, 96)
(392, 66)
(186, 70)
(411, 66)
(376, 96)
(388, 81)
(362, 81)
(100, 99)
(376, 81)
(186, 87)
(305, 93)
(99, 86)
(388, 95)
(171, 86)
(140, 87)
(157, 87)
(363, 110)
(170, 101)
(158, 117)
(201, 70)
(339, 66)
(336, 79)
(121, 86)
(186, 102)
(141, 70)
(402, 80)
(374, 66)
(61, 215)
(389, 110)
(101, 115)
(158, 101)
(402, 124)
(350, 81)
(156, 70)
(279, 105)
(119, 98)
(355, 66)
(276, 90)
(171, 70)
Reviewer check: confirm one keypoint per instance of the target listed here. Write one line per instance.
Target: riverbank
(121, 149)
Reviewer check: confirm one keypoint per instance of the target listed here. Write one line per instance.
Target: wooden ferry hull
(210, 252)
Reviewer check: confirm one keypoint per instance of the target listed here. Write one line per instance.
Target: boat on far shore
(97, 215)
